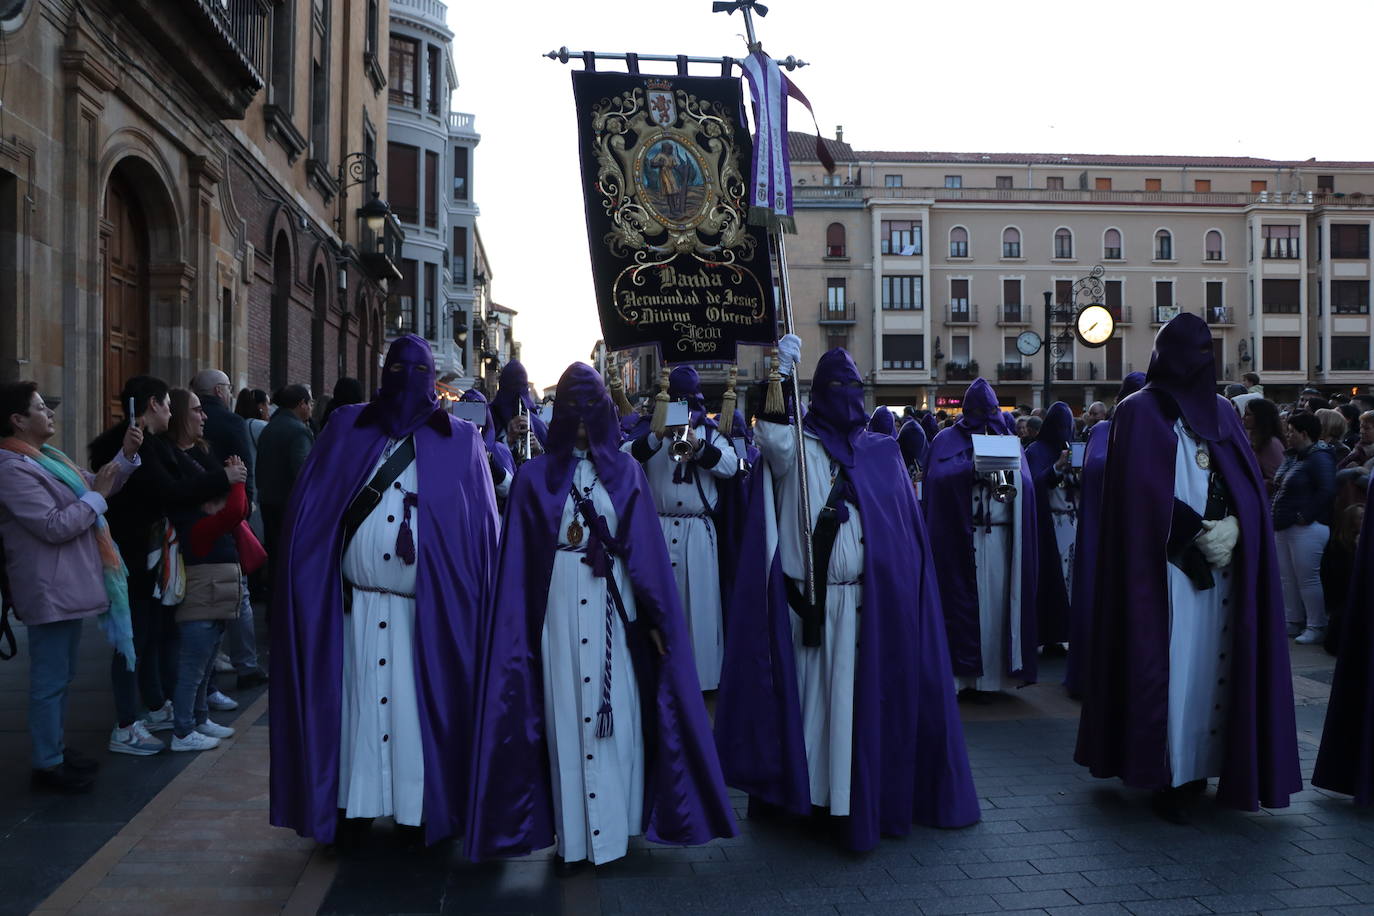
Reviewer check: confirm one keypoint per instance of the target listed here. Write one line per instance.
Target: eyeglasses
(199, 410)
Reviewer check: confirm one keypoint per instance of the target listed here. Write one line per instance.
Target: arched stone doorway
(281, 312)
(126, 295)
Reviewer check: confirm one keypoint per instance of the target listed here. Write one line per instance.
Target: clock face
(1094, 325)
(1028, 343)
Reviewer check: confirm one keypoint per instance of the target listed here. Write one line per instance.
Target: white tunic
(692, 546)
(997, 568)
(1064, 513)
(825, 673)
(381, 759)
(598, 783)
(1199, 643)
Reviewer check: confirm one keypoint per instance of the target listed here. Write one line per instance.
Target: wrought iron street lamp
(355, 169)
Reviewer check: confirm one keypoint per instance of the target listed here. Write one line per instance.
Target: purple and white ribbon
(770, 198)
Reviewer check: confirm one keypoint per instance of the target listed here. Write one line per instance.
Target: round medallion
(575, 534)
(1204, 460)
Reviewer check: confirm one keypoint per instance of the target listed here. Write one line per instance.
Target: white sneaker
(1311, 635)
(159, 720)
(223, 665)
(195, 741)
(135, 740)
(220, 703)
(213, 730)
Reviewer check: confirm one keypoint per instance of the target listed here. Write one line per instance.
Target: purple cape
(498, 450)
(455, 557)
(1085, 554)
(1345, 762)
(910, 764)
(511, 812)
(948, 507)
(1123, 729)
(1052, 613)
(1085, 545)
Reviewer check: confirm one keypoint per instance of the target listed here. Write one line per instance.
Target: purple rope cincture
(601, 552)
(405, 541)
(605, 721)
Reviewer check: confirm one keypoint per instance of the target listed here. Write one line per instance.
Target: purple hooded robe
(1052, 622)
(910, 764)
(1345, 762)
(948, 507)
(513, 392)
(882, 423)
(511, 811)
(1085, 546)
(455, 559)
(499, 452)
(1124, 725)
(914, 446)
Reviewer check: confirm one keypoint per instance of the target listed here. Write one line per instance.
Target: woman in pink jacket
(62, 567)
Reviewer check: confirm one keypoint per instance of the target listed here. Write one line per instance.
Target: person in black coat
(137, 519)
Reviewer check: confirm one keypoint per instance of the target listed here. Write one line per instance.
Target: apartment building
(927, 266)
(430, 151)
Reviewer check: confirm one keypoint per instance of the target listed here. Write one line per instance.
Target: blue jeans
(155, 642)
(199, 643)
(1300, 549)
(52, 665)
(241, 637)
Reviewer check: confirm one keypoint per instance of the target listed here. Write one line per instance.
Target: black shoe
(255, 677)
(1196, 787)
(1167, 805)
(410, 837)
(62, 778)
(79, 762)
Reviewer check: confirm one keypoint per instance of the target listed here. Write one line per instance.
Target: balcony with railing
(1220, 315)
(428, 12)
(1013, 372)
(1163, 314)
(961, 371)
(462, 124)
(837, 313)
(1014, 314)
(219, 47)
(380, 252)
(961, 313)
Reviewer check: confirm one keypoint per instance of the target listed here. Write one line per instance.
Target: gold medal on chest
(1204, 460)
(575, 534)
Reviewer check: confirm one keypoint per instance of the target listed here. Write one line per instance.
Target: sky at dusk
(1267, 79)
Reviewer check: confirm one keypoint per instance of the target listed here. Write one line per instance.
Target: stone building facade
(928, 266)
(171, 196)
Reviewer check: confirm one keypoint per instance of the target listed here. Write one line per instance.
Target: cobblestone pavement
(1052, 840)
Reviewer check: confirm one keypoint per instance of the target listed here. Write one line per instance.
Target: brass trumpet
(523, 447)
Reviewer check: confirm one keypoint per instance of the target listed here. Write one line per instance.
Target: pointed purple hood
(1182, 366)
(1057, 429)
(882, 422)
(1130, 385)
(406, 398)
(914, 444)
(981, 412)
(473, 396)
(582, 398)
(684, 384)
(837, 413)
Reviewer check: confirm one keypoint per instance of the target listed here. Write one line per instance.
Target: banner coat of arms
(676, 264)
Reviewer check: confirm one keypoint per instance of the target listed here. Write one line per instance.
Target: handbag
(170, 587)
(252, 556)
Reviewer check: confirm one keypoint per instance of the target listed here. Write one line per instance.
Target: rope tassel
(405, 541)
(605, 719)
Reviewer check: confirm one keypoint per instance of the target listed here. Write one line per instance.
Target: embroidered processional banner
(675, 261)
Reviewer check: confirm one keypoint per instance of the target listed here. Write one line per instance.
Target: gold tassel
(659, 424)
(727, 404)
(622, 403)
(774, 404)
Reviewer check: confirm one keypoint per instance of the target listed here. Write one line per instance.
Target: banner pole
(775, 232)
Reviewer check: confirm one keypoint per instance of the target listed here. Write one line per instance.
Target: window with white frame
(1212, 246)
(901, 236)
(1280, 241)
(901, 294)
(1011, 242)
(958, 242)
(1164, 245)
(1111, 245)
(892, 181)
(954, 181)
(1063, 243)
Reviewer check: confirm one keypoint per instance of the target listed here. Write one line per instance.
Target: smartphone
(132, 418)
(1076, 452)
(679, 414)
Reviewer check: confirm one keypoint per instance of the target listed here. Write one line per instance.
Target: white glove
(1218, 540)
(789, 353)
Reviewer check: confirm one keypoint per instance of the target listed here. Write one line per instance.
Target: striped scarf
(116, 621)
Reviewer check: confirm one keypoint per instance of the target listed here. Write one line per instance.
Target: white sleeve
(777, 445)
